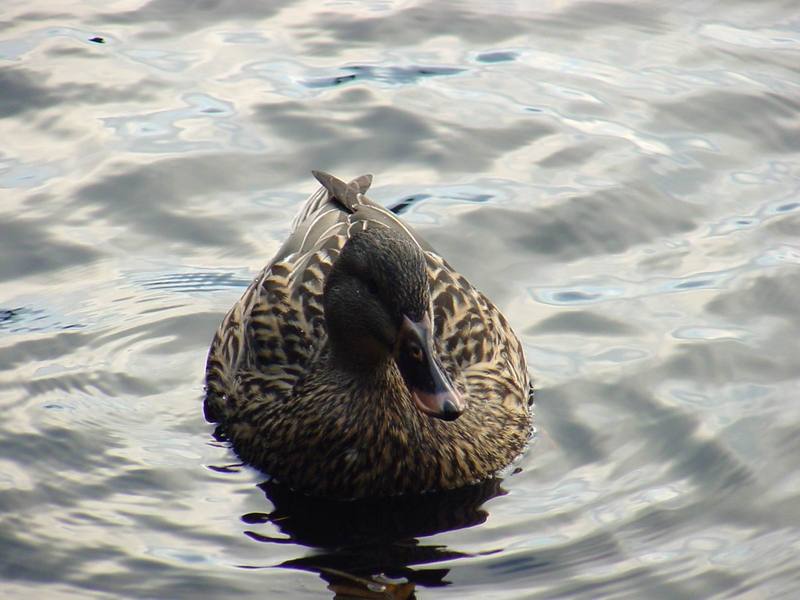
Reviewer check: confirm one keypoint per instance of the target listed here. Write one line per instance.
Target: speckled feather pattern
(287, 411)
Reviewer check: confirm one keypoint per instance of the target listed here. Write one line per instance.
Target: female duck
(359, 363)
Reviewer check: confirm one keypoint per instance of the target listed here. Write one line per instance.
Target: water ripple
(621, 179)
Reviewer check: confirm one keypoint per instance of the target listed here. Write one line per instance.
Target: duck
(360, 364)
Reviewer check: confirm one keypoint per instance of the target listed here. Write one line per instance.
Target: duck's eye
(372, 288)
(415, 352)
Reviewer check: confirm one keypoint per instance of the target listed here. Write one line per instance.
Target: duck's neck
(361, 358)
(373, 385)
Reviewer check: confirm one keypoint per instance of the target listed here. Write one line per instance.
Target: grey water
(621, 178)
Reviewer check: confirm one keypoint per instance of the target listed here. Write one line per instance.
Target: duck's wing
(268, 336)
(475, 340)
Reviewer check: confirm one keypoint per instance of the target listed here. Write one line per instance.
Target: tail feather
(347, 194)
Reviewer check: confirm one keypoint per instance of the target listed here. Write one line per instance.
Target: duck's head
(378, 308)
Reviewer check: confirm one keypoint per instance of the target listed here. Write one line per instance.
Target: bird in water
(359, 363)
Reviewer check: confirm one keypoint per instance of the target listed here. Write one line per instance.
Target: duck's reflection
(367, 548)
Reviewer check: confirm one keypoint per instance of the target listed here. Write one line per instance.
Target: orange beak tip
(447, 406)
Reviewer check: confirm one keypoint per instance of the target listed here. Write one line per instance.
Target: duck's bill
(431, 388)
(442, 405)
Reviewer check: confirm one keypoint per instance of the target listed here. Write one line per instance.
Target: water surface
(621, 178)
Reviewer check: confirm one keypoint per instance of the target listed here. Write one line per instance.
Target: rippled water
(621, 178)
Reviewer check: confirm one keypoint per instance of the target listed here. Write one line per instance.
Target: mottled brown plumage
(309, 378)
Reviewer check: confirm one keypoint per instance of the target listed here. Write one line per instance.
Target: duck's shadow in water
(366, 548)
